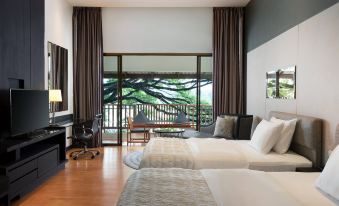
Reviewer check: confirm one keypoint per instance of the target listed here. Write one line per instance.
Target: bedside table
(308, 169)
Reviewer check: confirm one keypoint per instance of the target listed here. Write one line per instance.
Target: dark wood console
(30, 160)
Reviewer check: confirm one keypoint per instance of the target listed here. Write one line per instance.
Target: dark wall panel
(266, 19)
(21, 50)
(15, 42)
(37, 44)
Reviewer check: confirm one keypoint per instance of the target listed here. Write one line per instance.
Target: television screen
(29, 110)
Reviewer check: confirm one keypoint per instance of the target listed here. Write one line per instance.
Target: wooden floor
(85, 182)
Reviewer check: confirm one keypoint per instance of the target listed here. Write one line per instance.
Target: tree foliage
(153, 91)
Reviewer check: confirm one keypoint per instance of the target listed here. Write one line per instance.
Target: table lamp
(54, 96)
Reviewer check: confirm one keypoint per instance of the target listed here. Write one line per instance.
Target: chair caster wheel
(93, 157)
(75, 158)
(98, 152)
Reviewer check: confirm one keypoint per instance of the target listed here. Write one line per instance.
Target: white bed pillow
(285, 138)
(328, 181)
(265, 136)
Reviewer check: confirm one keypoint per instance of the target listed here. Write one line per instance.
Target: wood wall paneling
(21, 50)
(15, 35)
(22, 43)
(37, 43)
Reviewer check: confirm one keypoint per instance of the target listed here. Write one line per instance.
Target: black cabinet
(47, 162)
(29, 161)
(22, 44)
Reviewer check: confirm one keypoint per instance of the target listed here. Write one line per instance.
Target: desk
(68, 125)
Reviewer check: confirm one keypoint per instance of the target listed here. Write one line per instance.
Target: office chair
(82, 136)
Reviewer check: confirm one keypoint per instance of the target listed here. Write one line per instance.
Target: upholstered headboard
(307, 139)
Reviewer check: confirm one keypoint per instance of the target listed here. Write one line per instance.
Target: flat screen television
(29, 111)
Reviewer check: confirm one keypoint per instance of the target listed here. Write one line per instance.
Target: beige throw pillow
(224, 127)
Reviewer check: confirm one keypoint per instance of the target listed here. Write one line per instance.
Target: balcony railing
(156, 113)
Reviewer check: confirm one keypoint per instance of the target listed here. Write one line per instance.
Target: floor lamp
(54, 97)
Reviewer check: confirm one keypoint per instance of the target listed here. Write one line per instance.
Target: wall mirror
(281, 84)
(58, 74)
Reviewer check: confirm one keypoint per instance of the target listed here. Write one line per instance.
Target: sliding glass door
(111, 101)
(205, 91)
(160, 85)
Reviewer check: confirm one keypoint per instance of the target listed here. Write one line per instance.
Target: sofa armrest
(208, 129)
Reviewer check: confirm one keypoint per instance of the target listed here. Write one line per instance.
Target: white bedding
(302, 187)
(246, 187)
(223, 187)
(212, 153)
(249, 187)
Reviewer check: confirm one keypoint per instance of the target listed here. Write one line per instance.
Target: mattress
(213, 153)
(272, 161)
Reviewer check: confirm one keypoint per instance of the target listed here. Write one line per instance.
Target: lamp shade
(55, 95)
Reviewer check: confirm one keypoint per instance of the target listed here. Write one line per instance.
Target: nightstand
(308, 169)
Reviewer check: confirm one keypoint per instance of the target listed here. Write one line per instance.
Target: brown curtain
(59, 72)
(87, 64)
(228, 70)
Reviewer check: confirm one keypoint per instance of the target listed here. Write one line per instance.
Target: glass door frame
(120, 78)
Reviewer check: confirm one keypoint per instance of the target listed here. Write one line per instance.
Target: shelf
(13, 143)
(29, 154)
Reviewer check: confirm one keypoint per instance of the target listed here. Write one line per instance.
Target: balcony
(155, 112)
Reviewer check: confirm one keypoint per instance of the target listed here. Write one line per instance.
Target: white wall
(313, 46)
(58, 30)
(133, 30)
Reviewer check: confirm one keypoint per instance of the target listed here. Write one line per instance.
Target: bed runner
(167, 153)
(166, 187)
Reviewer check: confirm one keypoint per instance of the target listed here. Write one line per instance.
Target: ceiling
(160, 3)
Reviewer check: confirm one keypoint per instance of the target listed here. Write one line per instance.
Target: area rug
(133, 159)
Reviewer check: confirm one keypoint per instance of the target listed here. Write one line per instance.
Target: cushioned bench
(241, 131)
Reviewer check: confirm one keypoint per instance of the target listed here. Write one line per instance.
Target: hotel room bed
(213, 153)
(175, 186)
(209, 153)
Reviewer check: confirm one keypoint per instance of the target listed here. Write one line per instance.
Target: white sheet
(216, 154)
(246, 188)
(302, 187)
(256, 188)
